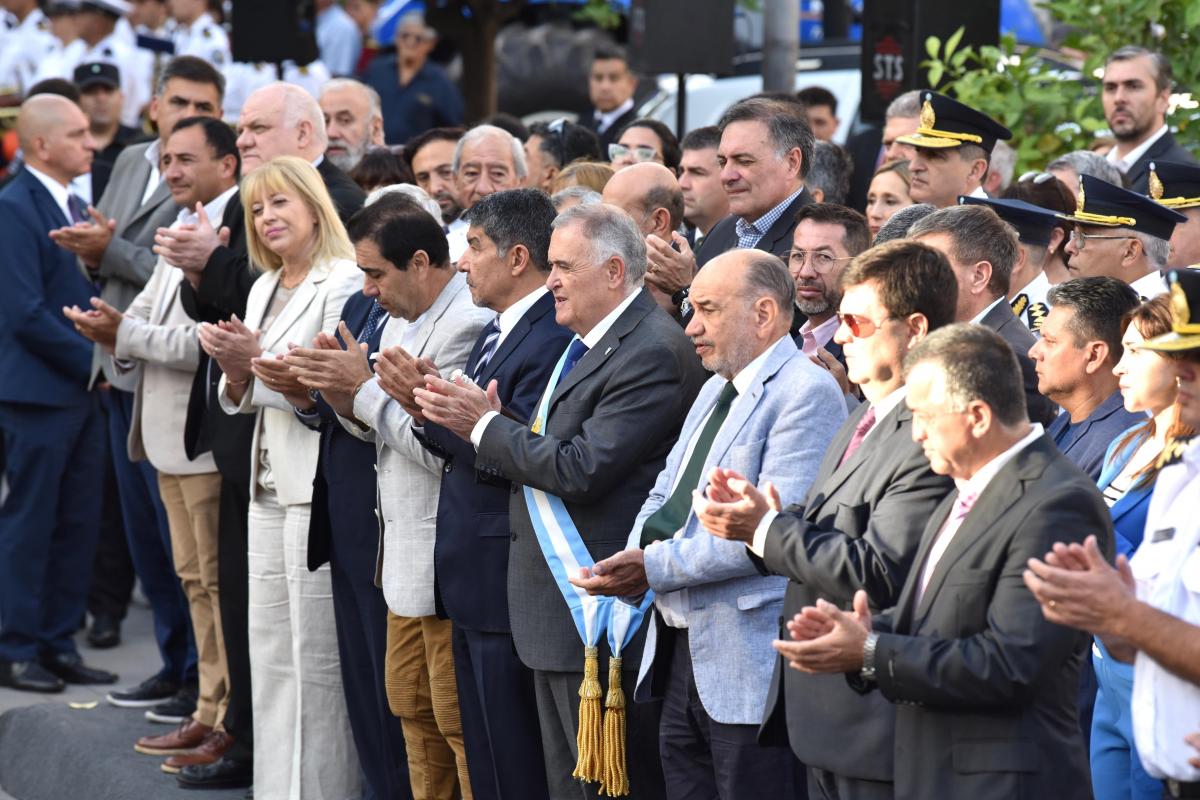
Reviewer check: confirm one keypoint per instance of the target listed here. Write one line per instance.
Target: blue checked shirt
(749, 233)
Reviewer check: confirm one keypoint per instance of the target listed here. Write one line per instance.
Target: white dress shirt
(758, 545)
(510, 316)
(58, 191)
(1123, 164)
(607, 118)
(978, 318)
(152, 154)
(1149, 285)
(590, 339)
(673, 605)
(1166, 567)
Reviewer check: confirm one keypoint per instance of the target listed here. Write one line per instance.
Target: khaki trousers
(421, 690)
(192, 503)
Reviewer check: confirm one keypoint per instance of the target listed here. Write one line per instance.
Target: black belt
(1180, 789)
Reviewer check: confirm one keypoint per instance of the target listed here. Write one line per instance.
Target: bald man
(650, 193)
(52, 425)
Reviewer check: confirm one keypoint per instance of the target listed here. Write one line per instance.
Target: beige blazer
(291, 447)
(156, 343)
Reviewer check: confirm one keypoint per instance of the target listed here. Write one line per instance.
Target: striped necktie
(491, 335)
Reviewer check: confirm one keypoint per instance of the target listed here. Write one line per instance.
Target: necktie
(860, 432)
(77, 207)
(491, 339)
(962, 507)
(574, 353)
(374, 316)
(671, 515)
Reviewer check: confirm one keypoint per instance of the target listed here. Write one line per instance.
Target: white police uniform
(22, 47)
(135, 77)
(243, 78)
(1166, 566)
(1030, 304)
(205, 39)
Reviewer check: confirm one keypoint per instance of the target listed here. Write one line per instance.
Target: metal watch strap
(868, 667)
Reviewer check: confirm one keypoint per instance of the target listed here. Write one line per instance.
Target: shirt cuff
(758, 545)
(480, 427)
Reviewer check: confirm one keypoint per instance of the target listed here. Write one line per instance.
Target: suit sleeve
(1006, 662)
(44, 331)
(789, 459)
(644, 395)
(224, 286)
(835, 564)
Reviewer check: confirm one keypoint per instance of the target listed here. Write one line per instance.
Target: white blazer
(316, 306)
(158, 336)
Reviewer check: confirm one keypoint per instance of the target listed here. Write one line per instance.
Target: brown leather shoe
(207, 752)
(187, 736)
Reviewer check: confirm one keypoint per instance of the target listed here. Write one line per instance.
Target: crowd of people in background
(507, 461)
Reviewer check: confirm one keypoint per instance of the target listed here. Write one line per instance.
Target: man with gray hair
(1136, 93)
(353, 121)
(777, 411)
(597, 439)
(829, 178)
(1000, 170)
(982, 249)
(487, 159)
(1121, 234)
(1070, 167)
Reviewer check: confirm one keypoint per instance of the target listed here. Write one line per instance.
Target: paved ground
(51, 751)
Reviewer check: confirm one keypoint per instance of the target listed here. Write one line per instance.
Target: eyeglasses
(861, 327)
(1080, 239)
(1036, 177)
(821, 260)
(638, 154)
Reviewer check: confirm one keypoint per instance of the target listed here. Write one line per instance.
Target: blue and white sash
(565, 554)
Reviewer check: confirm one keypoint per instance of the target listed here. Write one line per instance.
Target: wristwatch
(868, 668)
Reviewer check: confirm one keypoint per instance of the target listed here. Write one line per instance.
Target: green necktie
(670, 517)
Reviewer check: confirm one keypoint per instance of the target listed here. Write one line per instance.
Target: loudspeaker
(681, 36)
(893, 43)
(274, 31)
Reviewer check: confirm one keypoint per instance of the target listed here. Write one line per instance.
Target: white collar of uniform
(1149, 285)
(747, 374)
(58, 191)
(31, 21)
(979, 193)
(214, 208)
(1133, 155)
(607, 118)
(979, 481)
(1036, 289)
(978, 318)
(201, 21)
(593, 337)
(510, 316)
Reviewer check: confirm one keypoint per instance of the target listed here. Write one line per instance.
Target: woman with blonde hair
(887, 194)
(592, 174)
(303, 745)
(1147, 382)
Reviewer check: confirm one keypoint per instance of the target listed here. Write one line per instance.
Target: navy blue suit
(343, 530)
(53, 431)
(1085, 443)
(495, 690)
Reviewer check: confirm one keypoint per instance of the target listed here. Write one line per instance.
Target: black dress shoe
(177, 708)
(70, 667)
(105, 632)
(28, 676)
(150, 692)
(224, 773)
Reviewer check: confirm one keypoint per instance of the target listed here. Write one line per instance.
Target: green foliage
(1049, 110)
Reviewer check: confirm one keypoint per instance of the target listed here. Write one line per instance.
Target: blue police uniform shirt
(1086, 442)
(430, 100)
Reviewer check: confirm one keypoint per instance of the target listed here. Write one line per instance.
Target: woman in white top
(303, 747)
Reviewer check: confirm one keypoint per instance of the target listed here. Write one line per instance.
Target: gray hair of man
(899, 223)
(1158, 251)
(481, 132)
(612, 233)
(767, 275)
(1085, 162)
(374, 104)
(415, 193)
(300, 106)
(976, 234)
(787, 126)
(575, 196)
(830, 172)
(905, 105)
(978, 365)
(1163, 78)
(1003, 162)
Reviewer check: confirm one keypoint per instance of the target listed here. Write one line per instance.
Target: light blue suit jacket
(777, 431)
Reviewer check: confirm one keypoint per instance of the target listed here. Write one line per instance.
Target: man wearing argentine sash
(770, 413)
(601, 431)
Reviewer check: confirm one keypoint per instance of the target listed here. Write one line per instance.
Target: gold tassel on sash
(615, 782)
(588, 767)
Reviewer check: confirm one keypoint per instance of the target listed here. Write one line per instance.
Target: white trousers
(303, 748)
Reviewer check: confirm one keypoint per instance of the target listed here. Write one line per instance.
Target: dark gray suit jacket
(1003, 321)
(1165, 149)
(612, 421)
(858, 529)
(128, 260)
(984, 686)
(777, 239)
